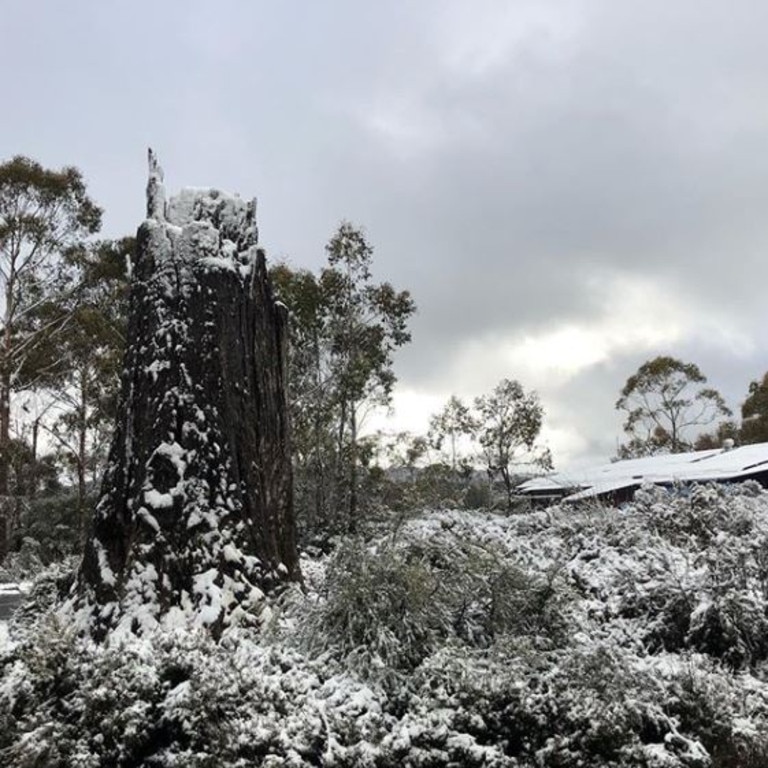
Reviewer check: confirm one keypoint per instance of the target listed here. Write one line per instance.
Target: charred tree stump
(195, 519)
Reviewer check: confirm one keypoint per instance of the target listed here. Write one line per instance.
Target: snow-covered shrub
(681, 570)
(384, 608)
(733, 627)
(570, 638)
(727, 713)
(388, 606)
(55, 521)
(696, 516)
(24, 564)
(591, 706)
(177, 699)
(48, 588)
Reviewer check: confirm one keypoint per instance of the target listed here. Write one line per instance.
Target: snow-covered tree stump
(195, 519)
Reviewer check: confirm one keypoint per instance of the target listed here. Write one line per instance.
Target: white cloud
(410, 412)
(636, 316)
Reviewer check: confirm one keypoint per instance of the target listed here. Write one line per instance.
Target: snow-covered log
(195, 519)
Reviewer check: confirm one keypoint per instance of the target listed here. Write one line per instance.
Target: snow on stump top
(195, 519)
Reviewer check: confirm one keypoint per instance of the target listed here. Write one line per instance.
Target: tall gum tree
(664, 400)
(79, 370)
(754, 413)
(453, 422)
(347, 328)
(42, 212)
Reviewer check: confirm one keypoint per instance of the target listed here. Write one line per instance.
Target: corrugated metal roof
(696, 466)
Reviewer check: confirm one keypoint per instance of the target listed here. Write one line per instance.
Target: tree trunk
(352, 514)
(196, 509)
(5, 444)
(338, 505)
(5, 431)
(320, 480)
(81, 459)
(33, 465)
(5, 422)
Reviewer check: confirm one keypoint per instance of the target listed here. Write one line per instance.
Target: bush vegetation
(590, 637)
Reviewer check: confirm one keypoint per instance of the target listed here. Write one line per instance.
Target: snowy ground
(591, 637)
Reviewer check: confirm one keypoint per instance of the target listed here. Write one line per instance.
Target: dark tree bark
(196, 510)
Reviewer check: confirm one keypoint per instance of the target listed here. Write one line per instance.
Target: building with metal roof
(617, 481)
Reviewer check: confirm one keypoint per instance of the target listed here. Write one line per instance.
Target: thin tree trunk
(33, 464)
(508, 485)
(339, 502)
(352, 519)
(320, 490)
(5, 421)
(82, 456)
(5, 432)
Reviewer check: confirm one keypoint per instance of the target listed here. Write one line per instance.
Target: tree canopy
(509, 421)
(345, 329)
(664, 400)
(754, 413)
(43, 212)
(452, 423)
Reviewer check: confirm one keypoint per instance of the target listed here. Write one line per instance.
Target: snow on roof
(696, 466)
(601, 488)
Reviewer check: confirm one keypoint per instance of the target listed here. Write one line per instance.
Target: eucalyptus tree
(664, 400)
(453, 422)
(754, 413)
(509, 421)
(345, 329)
(42, 213)
(82, 365)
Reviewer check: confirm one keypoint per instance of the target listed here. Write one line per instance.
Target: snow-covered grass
(567, 637)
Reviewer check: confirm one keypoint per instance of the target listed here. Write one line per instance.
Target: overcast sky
(567, 188)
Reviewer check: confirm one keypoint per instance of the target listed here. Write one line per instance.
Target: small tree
(663, 400)
(83, 376)
(452, 423)
(309, 393)
(344, 331)
(725, 430)
(42, 212)
(754, 413)
(509, 422)
(366, 324)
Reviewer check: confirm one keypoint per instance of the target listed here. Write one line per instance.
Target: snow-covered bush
(570, 638)
(696, 516)
(382, 608)
(22, 565)
(48, 588)
(387, 606)
(176, 699)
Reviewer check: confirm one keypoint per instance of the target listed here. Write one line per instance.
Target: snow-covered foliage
(564, 638)
(22, 565)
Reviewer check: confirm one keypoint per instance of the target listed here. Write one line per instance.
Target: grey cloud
(636, 142)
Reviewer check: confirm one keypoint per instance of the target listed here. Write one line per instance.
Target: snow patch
(107, 574)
